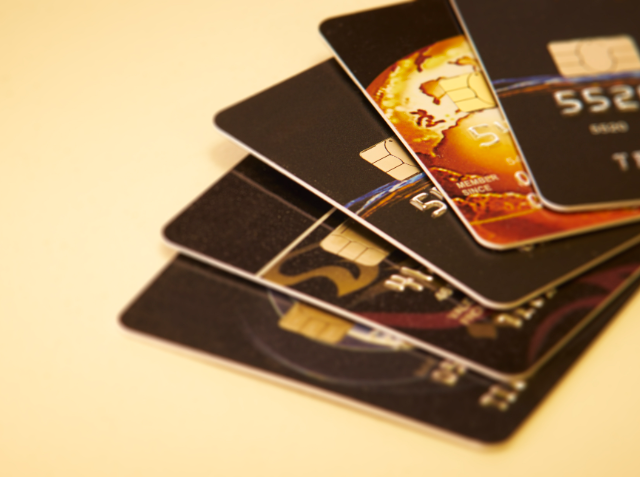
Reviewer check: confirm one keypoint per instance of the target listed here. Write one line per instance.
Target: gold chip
(591, 56)
(352, 242)
(389, 157)
(313, 323)
(469, 92)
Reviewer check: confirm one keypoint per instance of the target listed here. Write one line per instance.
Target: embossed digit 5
(566, 99)
(477, 135)
(593, 96)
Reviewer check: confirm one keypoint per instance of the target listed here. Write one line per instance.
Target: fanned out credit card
(259, 224)
(416, 67)
(319, 130)
(251, 329)
(567, 76)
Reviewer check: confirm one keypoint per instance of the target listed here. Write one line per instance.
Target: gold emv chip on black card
(592, 56)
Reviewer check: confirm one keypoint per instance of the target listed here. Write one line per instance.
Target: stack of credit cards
(433, 225)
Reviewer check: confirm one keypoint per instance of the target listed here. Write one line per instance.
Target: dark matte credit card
(257, 223)
(318, 129)
(251, 329)
(566, 74)
(418, 70)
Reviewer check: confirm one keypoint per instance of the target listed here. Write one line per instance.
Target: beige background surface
(105, 134)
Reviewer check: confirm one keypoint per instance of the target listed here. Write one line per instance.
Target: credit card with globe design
(418, 70)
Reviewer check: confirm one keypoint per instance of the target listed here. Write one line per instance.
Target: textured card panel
(241, 324)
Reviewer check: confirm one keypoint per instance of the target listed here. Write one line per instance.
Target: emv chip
(592, 56)
(389, 157)
(354, 243)
(469, 92)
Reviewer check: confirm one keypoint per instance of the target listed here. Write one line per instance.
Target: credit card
(257, 223)
(320, 131)
(418, 70)
(247, 327)
(566, 74)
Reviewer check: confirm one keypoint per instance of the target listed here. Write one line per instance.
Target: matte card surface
(318, 129)
(257, 223)
(566, 74)
(420, 73)
(245, 326)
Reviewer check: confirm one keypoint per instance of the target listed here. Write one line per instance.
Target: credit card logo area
(318, 325)
(356, 244)
(469, 92)
(390, 157)
(594, 56)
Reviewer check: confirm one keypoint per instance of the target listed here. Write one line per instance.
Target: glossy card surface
(257, 223)
(413, 63)
(248, 327)
(566, 74)
(320, 130)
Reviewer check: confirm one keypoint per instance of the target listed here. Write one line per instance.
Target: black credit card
(245, 326)
(566, 74)
(319, 130)
(261, 225)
